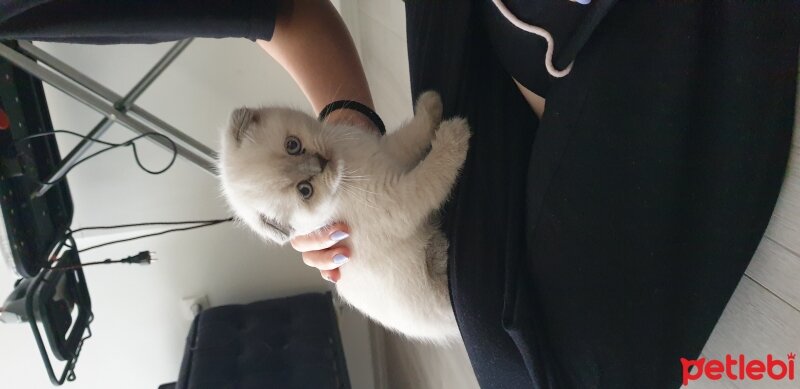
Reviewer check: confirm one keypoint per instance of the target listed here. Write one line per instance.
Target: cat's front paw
(453, 137)
(430, 103)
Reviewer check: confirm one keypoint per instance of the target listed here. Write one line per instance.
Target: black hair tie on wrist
(355, 106)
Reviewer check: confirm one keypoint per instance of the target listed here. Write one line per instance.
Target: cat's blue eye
(293, 145)
(305, 189)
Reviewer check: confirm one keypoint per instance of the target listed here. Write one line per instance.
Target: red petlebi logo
(739, 369)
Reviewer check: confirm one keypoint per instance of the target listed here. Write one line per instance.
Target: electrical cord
(143, 258)
(204, 224)
(111, 146)
(171, 223)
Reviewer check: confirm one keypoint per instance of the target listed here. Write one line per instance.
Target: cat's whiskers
(351, 175)
(352, 172)
(249, 136)
(351, 178)
(338, 89)
(364, 190)
(359, 196)
(361, 201)
(341, 139)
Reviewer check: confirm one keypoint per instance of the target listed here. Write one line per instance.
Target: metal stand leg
(109, 95)
(86, 90)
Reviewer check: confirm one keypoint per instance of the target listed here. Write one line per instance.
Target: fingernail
(338, 235)
(339, 259)
(326, 278)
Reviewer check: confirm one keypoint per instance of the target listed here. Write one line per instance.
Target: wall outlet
(192, 306)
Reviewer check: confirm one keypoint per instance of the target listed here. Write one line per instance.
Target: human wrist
(351, 117)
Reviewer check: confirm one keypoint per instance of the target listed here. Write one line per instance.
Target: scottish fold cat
(286, 174)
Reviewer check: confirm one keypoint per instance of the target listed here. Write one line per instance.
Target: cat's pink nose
(310, 165)
(322, 163)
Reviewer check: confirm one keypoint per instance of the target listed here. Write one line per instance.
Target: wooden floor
(763, 316)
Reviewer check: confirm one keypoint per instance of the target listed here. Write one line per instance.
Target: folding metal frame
(114, 108)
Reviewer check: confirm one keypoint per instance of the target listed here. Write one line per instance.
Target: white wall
(139, 330)
(196, 94)
(382, 31)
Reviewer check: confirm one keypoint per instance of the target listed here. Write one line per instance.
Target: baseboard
(377, 336)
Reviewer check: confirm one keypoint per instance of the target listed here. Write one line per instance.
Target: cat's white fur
(387, 189)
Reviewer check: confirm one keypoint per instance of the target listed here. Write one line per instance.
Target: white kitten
(286, 174)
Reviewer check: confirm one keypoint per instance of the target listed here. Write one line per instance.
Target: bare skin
(312, 43)
(535, 101)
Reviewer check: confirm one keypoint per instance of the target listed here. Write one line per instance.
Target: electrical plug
(143, 258)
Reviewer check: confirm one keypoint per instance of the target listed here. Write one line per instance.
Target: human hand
(325, 249)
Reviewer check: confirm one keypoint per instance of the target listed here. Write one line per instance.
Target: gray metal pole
(72, 158)
(121, 105)
(173, 132)
(102, 91)
(68, 71)
(151, 75)
(205, 161)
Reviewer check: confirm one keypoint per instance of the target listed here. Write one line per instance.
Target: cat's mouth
(330, 167)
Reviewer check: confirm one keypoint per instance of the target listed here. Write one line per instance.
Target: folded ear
(274, 230)
(240, 122)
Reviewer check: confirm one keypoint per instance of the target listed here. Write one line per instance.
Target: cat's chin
(309, 230)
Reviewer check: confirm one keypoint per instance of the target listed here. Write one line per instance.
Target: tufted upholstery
(290, 342)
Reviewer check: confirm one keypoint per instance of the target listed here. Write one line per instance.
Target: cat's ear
(241, 118)
(274, 230)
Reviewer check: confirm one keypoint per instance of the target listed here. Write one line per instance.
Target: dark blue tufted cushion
(291, 342)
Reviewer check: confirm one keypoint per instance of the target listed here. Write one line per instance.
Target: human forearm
(312, 43)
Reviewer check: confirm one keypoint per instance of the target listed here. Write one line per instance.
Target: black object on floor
(290, 342)
(34, 226)
(57, 300)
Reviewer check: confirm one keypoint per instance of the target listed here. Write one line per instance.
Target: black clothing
(596, 247)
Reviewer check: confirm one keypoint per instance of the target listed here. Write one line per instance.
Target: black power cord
(143, 258)
(170, 223)
(111, 146)
(204, 224)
